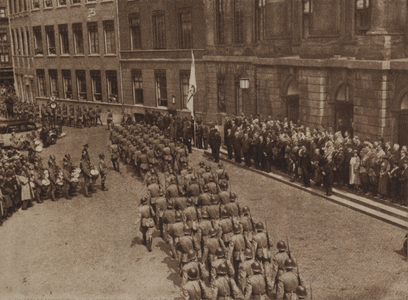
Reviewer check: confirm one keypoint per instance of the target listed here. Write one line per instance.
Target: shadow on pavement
(136, 241)
(401, 252)
(174, 275)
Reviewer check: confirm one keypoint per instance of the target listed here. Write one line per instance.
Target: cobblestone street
(89, 247)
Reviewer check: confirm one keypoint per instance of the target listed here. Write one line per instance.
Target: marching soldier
(145, 217)
(256, 285)
(103, 171)
(224, 194)
(245, 269)
(225, 287)
(279, 260)
(220, 259)
(211, 245)
(114, 150)
(185, 244)
(226, 227)
(222, 174)
(169, 217)
(85, 166)
(203, 231)
(192, 264)
(288, 282)
(175, 231)
(233, 209)
(194, 288)
(160, 206)
(193, 190)
(237, 246)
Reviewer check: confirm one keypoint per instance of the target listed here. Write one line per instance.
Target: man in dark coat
(229, 142)
(328, 176)
(217, 146)
(237, 146)
(305, 165)
(246, 149)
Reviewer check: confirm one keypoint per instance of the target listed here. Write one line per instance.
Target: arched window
(344, 110)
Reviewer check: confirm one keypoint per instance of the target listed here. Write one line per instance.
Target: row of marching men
(223, 252)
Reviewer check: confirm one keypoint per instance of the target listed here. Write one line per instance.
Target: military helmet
(236, 228)
(219, 252)
(143, 200)
(205, 188)
(191, 255)
(186, 230)
(256, 267)
(224, 214)
(205, 214)
(289, 264)
(222, 269)
(212, 232)
(190, 202)
(211, 178)
(301, 291)
(248, 253)
(189, 169)
(233, 197)
(245, 210)
(193, 178)
(192, 273)
(259, 226)
(207, 168)
(170, 204)
(179, 217)
(172, 180)
(214, 199)
(281, 246)
(220, 165)
(201, 164)
(161, 192)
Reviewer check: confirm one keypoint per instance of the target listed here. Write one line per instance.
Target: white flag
(192, 87)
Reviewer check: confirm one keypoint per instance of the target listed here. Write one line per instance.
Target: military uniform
(146, 219)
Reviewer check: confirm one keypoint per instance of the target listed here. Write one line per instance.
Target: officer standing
(145, 217)
(85, 166)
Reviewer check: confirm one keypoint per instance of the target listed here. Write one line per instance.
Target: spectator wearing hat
(404, 182)
(383, 184)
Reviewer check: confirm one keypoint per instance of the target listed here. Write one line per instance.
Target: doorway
(402, 128)
(344, 111)
(292, 108)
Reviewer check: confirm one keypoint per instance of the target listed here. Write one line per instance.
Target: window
(219, 15)
(49, 30)
(137, 86)
(28, 43)
(3, 12)
(3, 35)
(18, 42)
(363, 16)
(161, 87)
(238, 24)
(78, 38)
(96, 85)
(25, 5)
(23, 44)
(64, 40)
(135, 32)
(67, 84)
(159, 31)
(184, 86)
(109, 33)
(54, 83)
(93, 38)
(36, 4)
(47, 3)
(81, 84)
(4, 57)
(185, 40)
(76, 1)
(62, 2)
(259, 20)
(221, 94)
(112, 85)
(307, 11)
(38, 46)
(14, 42)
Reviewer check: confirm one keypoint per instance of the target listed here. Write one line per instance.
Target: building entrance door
(344, 117)
(403, 128)
(292, 108)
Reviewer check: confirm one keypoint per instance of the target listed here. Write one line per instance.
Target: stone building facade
(6, 66)
(339, 64)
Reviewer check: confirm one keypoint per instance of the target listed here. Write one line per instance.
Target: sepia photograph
(204, 149)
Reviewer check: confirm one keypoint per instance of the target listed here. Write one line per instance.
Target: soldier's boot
(149, 244)
(87, 194)
(104, 188)
(66, 195)
(173, 252)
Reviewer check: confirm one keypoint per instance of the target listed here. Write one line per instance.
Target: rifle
(287, 241)
(267, 234)
(311, 291)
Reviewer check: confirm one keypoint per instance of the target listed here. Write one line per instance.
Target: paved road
(88, 247)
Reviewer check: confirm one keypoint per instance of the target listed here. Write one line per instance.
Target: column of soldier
(375, 168)
(26, 178)
(223, 253)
